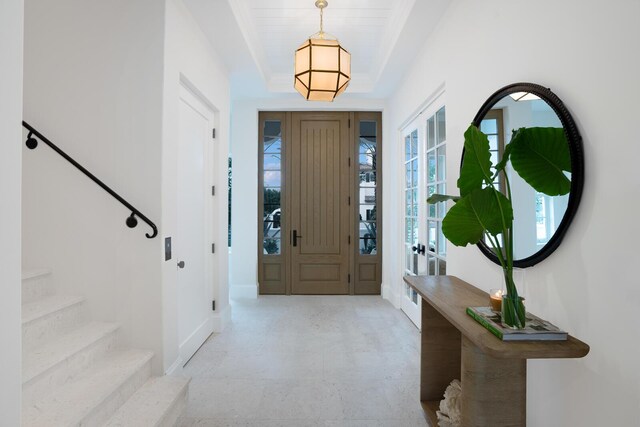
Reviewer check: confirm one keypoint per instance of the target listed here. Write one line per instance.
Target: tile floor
(303, 361)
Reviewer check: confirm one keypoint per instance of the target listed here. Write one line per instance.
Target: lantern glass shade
(322, 69)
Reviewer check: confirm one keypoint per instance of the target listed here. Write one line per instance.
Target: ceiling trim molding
(391, 36)
(243, 16)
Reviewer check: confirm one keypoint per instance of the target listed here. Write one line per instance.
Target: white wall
(189, 57)
(244, 149)
(11, 37)
(93, 81)
(587, 53)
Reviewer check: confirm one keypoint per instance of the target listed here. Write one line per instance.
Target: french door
(318, 195)
(424, 166)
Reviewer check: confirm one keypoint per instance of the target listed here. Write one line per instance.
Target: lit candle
(495, 298)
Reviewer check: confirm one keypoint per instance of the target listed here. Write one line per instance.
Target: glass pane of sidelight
(367, 212)
(368, 246)
(367, 161)
(367, 194)
(272, 162)
(272, 196)
(441, 130)
(368, 177)
(272, 179)
(368, 128)
(368, 145)
(272, 129)
(271, 246)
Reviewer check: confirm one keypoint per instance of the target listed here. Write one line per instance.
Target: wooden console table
(493, 373)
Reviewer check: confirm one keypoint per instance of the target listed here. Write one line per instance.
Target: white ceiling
(260, 37)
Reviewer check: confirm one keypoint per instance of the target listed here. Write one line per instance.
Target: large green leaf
(436, 198)
(476, 166)
(541, 157)
(479, 211)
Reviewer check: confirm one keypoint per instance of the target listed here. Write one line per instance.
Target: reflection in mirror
(537, 215)
(540, 221)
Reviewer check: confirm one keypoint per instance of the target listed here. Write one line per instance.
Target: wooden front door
(318, 179)
(320, 203)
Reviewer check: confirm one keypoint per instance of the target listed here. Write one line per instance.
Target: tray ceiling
(371, 30)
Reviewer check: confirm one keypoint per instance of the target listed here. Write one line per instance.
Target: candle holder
(495, 299)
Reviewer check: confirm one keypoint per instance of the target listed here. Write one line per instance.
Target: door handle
(181, 264)
(295, 237)
(420, 249)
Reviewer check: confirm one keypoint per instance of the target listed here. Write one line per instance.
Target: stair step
(36, 284)
(46, 318)
(46, 306)
(95, 395)
(38, 361)
(158, 403)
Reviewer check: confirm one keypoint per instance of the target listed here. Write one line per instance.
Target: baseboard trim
(243, 291)
(222, 319)
(390, 295)
(198, 336)
(176, 367)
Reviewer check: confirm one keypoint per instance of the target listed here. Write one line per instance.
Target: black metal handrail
(131, 221)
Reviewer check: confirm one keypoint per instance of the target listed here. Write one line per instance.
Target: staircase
(75, 373)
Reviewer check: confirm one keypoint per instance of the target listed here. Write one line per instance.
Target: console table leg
(494, 391)
(439, 354)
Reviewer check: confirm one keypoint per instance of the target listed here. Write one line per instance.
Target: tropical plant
(541, 157)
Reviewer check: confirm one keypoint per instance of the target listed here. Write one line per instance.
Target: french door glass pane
(442, 129)
(431, 133)
(271, 246)
(442, 151)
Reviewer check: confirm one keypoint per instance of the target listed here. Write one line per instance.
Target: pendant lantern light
(322, 66)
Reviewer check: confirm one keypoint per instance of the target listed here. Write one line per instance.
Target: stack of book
(535, 328)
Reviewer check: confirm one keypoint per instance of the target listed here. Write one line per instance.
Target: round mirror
(540, 221)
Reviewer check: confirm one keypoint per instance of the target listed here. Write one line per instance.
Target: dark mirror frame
(577, 166)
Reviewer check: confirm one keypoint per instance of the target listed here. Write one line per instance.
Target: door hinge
(349, 161)
(213, 190)
(213, 133)
(349, 200)
(213, 305)
(349, 122)
(349, 239)
(213, 248)
(349, 278)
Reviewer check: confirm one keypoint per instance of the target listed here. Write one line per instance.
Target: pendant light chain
(321, 23)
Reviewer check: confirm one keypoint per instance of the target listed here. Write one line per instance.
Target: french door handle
(295, 237)
(419, 248)
(181, 264)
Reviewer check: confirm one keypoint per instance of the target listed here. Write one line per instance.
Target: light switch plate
(167, 248)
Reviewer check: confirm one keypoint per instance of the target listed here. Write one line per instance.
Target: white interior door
(194, 236)
(414, 263)
(424, 159)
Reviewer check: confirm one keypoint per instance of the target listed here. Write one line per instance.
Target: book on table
(536, 329)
